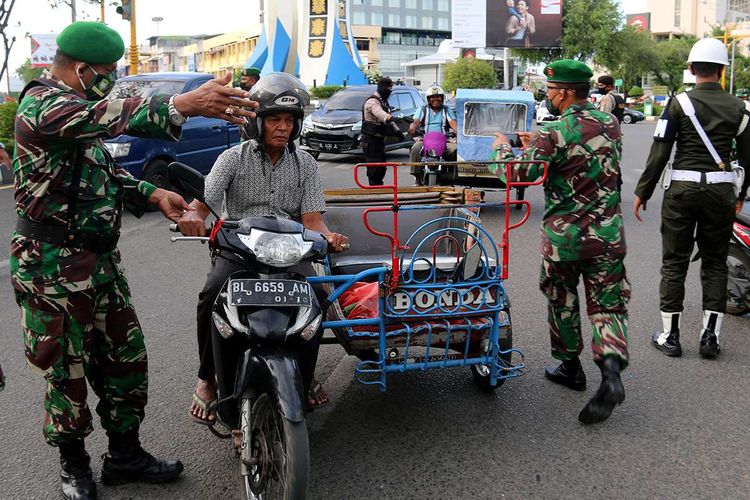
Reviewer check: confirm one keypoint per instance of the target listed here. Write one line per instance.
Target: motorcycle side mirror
(188, 182)
(469, 264)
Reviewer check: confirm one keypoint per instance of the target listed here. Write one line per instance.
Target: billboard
(43, 48)
(524, 23)
(641, 22)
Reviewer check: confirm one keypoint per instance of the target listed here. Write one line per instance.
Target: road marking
(9, 186)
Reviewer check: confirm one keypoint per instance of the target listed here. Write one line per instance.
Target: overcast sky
(181, 17)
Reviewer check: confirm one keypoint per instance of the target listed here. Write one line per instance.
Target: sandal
(208, 408)
(315, 391)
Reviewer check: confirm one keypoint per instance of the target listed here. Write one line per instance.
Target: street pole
(731, 78)
(102, 6)
(506, 69)
(133, 42)
(73, 10)
(726, 39)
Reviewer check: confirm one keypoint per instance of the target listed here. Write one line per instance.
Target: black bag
(619, 110)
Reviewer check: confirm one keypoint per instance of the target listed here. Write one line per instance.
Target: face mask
(553, 110)
(603, 90)
(100, 86)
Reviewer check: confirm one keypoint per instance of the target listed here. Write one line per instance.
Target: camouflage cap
(568, 71)
(251, 71)
(91, 42)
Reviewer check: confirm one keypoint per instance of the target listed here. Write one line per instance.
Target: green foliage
(673, 55)
(741, 72)
(372, 74)
(324, 91)
(7, 121)
(635, 91)
(629, 55)
(588, 25)
(469, 73)
(26, 73)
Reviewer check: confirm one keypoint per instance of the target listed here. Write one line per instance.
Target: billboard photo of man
(524, 23)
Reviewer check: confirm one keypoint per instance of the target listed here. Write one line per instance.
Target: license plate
(248, 292)
(329, 147)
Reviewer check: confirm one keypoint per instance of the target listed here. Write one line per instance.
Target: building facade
(410, 29)
(219, 54)
(670, 18)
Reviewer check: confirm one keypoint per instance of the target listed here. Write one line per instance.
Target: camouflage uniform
(77, 319)
(582, 229)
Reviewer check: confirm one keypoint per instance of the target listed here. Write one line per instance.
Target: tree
(71, 3)
(587, 26)
(469, 73)
(628, 54)
(673, 55)
(635, 92)
(26, 73)
(6, 6)
(372, 74)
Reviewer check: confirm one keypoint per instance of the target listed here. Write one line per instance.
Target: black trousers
(221, 270)
(374, 150)
(694, 213)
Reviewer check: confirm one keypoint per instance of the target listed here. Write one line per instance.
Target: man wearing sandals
(264, 176)
(78, 322)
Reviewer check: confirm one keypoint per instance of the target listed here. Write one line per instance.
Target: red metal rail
(396, 245)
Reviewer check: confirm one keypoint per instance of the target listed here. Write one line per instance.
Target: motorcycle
(738, 264)
(264, 313)
(433, 149)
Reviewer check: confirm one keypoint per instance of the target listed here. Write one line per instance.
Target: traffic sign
(618, 82)
(659, 89)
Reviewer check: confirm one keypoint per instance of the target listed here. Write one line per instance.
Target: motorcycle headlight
(357, 127)
(276, 249)
(118, 149)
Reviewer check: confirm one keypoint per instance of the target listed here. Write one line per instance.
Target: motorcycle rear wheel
(738, 281)
(281, 452)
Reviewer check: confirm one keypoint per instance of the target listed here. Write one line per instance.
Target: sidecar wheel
(481, 373)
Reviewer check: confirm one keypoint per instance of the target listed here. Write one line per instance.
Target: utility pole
(102, 6)
(133, 41)
(127, 11)
(73, 10)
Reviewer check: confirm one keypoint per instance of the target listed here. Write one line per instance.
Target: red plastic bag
(360, 301)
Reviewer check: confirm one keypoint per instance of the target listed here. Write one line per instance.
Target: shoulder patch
(666, 128)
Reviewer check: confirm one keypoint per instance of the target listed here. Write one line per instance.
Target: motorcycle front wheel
(276, 462)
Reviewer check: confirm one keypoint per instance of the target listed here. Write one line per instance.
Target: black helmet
(278, 93)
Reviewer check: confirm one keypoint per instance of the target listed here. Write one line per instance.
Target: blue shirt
(434, 123)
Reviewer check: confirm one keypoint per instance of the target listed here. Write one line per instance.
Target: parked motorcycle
(259, 321)
(738, 264)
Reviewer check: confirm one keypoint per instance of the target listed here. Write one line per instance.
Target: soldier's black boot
(709, 346)
(610, 394)
(568, 373)
(668, 339)
(75, 475)
(128, 462)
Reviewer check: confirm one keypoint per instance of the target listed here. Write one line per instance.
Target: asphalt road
(681, 432)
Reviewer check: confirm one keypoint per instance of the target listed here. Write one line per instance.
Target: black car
(336, 127)
(632, 116)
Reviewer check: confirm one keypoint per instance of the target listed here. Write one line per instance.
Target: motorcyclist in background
(434, 117)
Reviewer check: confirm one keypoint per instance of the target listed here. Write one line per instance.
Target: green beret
(568, 71)
(251, 72)
(91, 42)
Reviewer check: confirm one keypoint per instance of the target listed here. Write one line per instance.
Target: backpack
(619, 110)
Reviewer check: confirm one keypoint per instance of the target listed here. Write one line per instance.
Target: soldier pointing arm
(78, 322)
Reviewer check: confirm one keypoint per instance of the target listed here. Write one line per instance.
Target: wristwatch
(177, 118)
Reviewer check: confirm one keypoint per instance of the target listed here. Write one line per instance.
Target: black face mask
(603, 90)
(385, 92)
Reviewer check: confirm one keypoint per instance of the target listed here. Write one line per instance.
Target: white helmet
(435, 90)
(709, 50)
